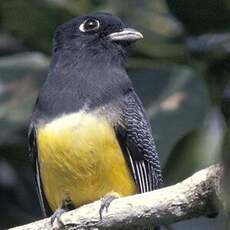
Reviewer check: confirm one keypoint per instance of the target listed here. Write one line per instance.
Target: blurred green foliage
(180, 70)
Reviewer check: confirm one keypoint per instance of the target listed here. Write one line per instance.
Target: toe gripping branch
(66, 206)
(106, 201)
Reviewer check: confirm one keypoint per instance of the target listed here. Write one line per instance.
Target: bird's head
(97, 31)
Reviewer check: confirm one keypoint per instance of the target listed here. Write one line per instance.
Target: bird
(89, 136)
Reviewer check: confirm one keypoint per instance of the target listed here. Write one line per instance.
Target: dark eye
(89, 25)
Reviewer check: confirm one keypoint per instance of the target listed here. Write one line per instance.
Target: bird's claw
(55, 220)
(106, 201)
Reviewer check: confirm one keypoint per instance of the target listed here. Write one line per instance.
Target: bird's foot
(56, 222)
(106, 201)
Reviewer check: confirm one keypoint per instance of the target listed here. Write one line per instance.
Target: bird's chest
(80, 158)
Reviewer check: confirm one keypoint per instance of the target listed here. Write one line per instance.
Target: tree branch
(196, 196)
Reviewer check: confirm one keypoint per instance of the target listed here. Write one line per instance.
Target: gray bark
(198, 195)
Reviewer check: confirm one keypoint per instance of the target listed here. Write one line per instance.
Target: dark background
(180, 70)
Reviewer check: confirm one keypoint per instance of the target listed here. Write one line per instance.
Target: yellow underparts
(80, 159)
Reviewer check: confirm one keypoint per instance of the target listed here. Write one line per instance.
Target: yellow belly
(80, 158)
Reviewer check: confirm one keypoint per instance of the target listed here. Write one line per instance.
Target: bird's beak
(127, 34)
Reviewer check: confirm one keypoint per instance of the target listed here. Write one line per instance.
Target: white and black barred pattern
(139, 145)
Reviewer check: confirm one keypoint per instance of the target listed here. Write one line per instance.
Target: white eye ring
(96, 25)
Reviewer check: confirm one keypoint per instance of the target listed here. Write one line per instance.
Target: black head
(97, 30)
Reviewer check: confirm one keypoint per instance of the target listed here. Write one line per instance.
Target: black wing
(46, 210)
(137, 144)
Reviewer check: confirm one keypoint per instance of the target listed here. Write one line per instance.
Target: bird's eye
(89, 25)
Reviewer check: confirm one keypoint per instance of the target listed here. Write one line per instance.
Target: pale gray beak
(127, 34)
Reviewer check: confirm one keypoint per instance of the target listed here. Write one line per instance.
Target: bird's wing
(137, 144)
(34, 156)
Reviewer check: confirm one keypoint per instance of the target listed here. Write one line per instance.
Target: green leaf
(20, 78)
